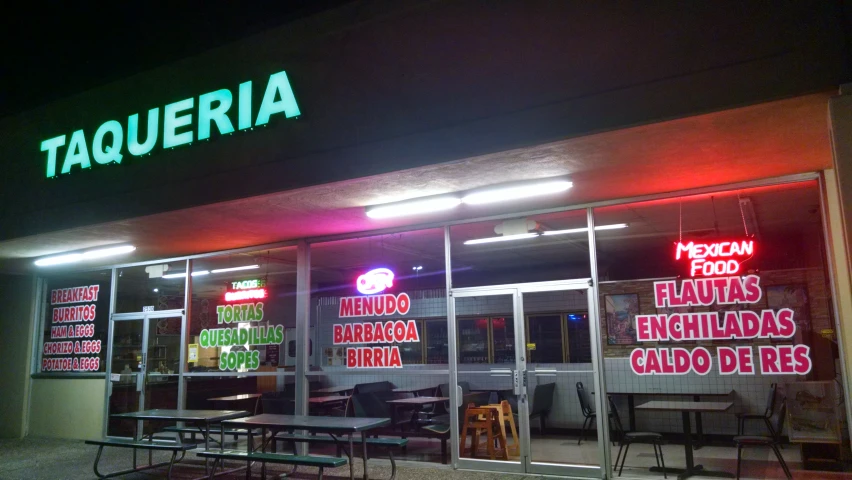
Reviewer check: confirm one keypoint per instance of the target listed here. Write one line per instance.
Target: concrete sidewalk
(48, 459)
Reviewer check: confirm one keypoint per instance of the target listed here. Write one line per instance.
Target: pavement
(51, 459)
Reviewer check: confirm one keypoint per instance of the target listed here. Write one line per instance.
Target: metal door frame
(145, 317)
(525, 464)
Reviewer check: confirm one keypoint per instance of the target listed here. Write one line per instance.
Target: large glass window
(379, 329)
(75, 322)
(151, 287)
(722, 298)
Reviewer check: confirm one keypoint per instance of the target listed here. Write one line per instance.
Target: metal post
(455, 399)
(184, 333)
(303, 329)
(602, 405)
(113, 289)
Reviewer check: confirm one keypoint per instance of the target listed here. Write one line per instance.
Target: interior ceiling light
(502, 194)
(614, 226)
(502, 238)
(234, 269)
(413, 207)
(87, 255)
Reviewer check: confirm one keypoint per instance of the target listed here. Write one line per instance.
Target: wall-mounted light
(613, 226)
(503, 194)
(413, 207)
(417, 268)
(87, 255)
(234, 269)
(502, 238)
(183, 274)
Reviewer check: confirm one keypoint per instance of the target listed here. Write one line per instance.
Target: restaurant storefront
(277, 250)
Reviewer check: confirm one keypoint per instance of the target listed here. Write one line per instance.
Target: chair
(655, 439)
(765, 416)
(479, 420)
(588, 408)
(744, 441)
(278, 403)
(372, 387)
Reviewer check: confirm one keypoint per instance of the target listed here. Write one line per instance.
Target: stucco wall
(16, 317)
(67, 408)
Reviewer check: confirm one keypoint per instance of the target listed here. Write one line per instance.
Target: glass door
(561, 378)
(486, 368)
(541, 354)
(143, 364)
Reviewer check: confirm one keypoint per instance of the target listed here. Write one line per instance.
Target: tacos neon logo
(179, 126)
(375, 281)
(719, 258)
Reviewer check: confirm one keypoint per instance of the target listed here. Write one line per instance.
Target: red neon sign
(256, 293)
(717, 258)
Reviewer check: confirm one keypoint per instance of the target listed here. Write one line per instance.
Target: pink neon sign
(375, 281)
(718, 258)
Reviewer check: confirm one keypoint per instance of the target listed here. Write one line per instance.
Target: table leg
(206, 446)
(631, 412)
(691, 469)
(135, 437)
(263, 450)
(249, 447)
(351, 454)
(699, 426)
(364, 454)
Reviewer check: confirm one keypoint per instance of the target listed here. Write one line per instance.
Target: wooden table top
(337, 389)
(328, 399)
(673, 394)
(667, 406)
(418, 400)
(413, 389)
(234, 398)
(181, 415)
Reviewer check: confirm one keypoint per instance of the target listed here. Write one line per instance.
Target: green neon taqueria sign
(108, 143)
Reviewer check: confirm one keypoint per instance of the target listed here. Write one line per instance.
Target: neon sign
(248, 284)
(108, 142)
(719, 258)
(375, 281)
(257, 293)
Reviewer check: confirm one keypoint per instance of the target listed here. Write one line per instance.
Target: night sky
(55, 49)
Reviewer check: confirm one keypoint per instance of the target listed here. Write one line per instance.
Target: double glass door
(143, 365)
(525, 351)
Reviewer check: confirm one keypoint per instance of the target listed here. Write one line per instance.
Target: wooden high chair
(481, 419)
(504, 415)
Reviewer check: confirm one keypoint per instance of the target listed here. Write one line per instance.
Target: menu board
(74, 338)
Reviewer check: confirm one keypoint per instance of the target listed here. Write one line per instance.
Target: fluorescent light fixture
(234, 269)
(413, 207)
(502, 194)
(503, 238)
(614, 226)
(175, 275)
(87, 255)
(200, 272)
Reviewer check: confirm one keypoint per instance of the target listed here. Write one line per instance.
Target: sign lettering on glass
(72, 326)
(731, 325)
(176, 126)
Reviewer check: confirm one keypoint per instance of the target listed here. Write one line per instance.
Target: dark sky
(55, 49)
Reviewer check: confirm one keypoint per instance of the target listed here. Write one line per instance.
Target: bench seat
(143, 444)
(279, 458)
(155, 445)
(382, 442)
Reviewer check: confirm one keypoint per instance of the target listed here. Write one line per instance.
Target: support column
(303, 324)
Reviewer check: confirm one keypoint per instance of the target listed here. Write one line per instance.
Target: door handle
(500, 372)
(544, 372)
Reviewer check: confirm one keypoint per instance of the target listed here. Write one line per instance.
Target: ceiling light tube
(200, 272)
(502, 194)
(87, 255)
(614, 226)
(504, 238)
(413, 207)
(175, 275)
(234, 269)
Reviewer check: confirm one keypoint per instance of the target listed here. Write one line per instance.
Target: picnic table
(686, 408)
(199, 419)
(335, 427)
